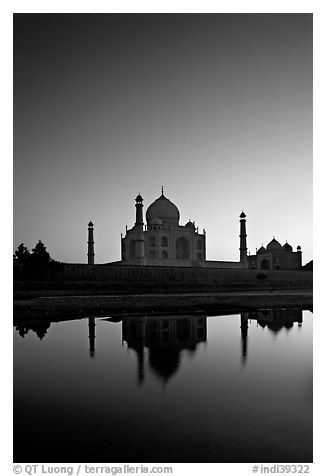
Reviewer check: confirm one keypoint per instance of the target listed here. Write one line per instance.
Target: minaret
(139, 224)
(243, 241)
(139, 210)
(299, 257)
(90, 252)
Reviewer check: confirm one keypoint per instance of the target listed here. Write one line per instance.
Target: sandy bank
(63, 307)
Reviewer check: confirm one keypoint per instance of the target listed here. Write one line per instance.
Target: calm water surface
(234, 388)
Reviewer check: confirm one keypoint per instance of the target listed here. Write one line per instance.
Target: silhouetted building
(308, 266)
(243, 241)
(90, 243)
(276, 257)
(163, 240)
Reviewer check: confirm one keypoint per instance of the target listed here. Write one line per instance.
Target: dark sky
(215, 107)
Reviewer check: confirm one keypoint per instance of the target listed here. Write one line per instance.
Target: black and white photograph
(162, 240)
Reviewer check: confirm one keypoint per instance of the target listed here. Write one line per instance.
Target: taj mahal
(163, 241)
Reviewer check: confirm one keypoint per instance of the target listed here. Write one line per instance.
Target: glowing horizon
(216, 107)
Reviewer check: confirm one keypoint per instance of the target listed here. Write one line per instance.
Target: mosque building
(163, 241)
(275, 256)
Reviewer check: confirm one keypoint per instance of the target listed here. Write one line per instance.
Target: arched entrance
(182, 248)
(264, 264)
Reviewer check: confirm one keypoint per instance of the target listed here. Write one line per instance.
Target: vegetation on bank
(76, 307)
(36, 264)
(37, 274)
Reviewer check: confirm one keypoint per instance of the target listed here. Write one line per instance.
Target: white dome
(163, 209)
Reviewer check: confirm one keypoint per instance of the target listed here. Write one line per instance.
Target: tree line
(35, 264)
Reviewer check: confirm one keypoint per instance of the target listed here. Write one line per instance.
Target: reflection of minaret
(300, 318)
(133, 332)
(244, 335)
(91, 336)
(90, 243)
(140, 350)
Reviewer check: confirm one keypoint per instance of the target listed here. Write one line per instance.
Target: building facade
(276, 257)
(162, 240)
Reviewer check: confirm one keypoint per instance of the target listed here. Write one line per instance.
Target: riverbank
(56, 308)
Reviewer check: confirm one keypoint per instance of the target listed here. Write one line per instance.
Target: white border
(315, 7)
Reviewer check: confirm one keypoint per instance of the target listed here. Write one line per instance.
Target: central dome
(163, 209)
(273, 245)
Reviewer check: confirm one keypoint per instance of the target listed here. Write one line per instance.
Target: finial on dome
(162, 190)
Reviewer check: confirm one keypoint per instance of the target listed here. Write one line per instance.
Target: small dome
(273, 245)
(243, 215)
(163, 209)
(155, 221)
(90, 224)
(287, 247)
(139, 198)
(299, 248)
(262, 249)
(190, 224)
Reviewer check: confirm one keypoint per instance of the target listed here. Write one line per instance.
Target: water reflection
(164, 338)
(158, 341)
(40, 328)
(244, 335)
(276, 319)
(273, 319)
(236, 388)
(91, 336)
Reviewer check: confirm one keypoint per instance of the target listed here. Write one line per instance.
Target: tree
(22, 254)
(39, 255)
(37, 265)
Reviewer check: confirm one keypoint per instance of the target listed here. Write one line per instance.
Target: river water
(230, 388)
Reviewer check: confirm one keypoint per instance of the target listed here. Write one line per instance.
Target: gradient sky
(217, 108)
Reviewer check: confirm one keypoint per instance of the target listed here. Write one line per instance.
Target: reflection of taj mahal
(164, 339)
(162, 241)
(159, 342)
